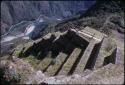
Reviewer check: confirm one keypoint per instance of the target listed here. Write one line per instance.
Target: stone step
(93, 57)
(52, 69)
(76, 62)
(44, 64)
(82, 63)
(104, 60)
(106, 57)
(70, 61)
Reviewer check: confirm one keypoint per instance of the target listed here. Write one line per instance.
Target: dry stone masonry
(70, 52)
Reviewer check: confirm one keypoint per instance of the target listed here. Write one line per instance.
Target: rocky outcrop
(17, 71)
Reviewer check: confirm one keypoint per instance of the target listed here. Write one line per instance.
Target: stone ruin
(70, 52)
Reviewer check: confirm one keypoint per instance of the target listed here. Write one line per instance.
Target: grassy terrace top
(54, 52)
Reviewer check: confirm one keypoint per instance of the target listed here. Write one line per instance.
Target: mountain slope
(13, 12)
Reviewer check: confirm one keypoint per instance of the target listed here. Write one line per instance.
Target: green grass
(44, 63)
(57, 62)
(32, 60)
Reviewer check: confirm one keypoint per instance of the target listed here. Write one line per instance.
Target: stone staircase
(71, 52)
